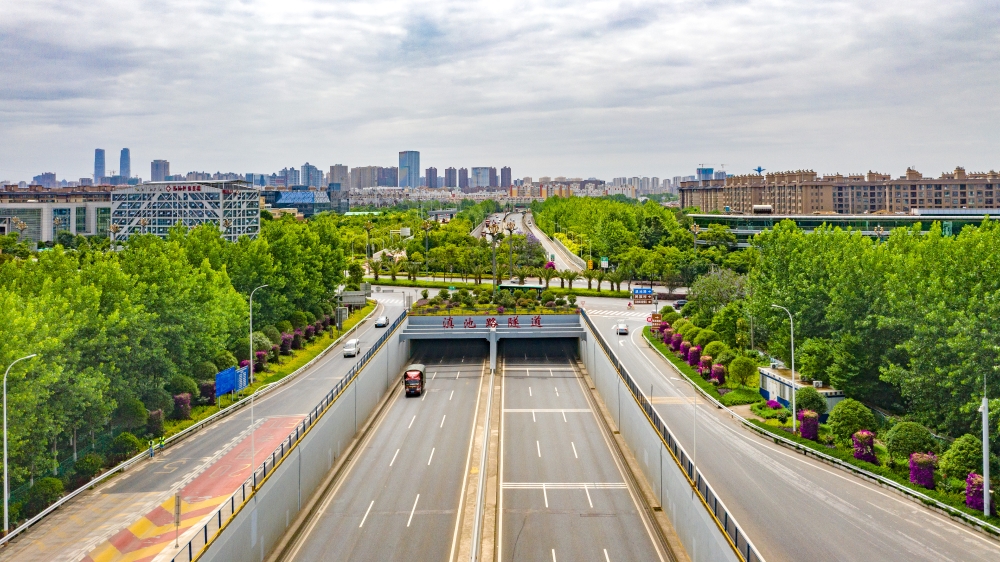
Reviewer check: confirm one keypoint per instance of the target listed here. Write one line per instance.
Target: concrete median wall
(255, 529)
(696, 513)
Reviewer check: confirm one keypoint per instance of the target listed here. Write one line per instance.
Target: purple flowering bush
(810, 425)
(297, 339)
(705, 366)
(974, 491)
(501, 309)
(668, 337)
(676, 342)
(244, 363)
(260, 362)
(684, 349)
(694, 355)
(310, 332)
(286, 344)
(864, 446)
(719, 373)
(922, 467)
(774, 405)
(550, 265)
(182, 406)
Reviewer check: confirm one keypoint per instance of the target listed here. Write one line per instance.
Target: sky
(549, 88)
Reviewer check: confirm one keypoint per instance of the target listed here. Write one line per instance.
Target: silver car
(621, 328)
(351, 348)
(381, 321)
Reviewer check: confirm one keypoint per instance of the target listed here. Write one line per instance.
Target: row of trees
(909, 324)
(114, 327)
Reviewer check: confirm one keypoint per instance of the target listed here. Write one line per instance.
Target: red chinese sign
(470, 323)
(491, 322)
(536, 321)
(448, 322)
(513, 322)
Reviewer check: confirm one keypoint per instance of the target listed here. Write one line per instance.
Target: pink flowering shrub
(550, 265)
(500, 309)
(676, 341)
(310, 332)
(182, 406)
(694, 355)
(864, 446)
(297, 339)
(705, 366)
(286, 344)
(685, 348)
(719, 373)
(668, 336)
(974, 491)
(244, 363)
(810, 425)
(774, 404)
(922, 467)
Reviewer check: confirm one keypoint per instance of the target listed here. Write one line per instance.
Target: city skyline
(642, 86)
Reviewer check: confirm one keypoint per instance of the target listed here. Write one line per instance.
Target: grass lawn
(274, 373)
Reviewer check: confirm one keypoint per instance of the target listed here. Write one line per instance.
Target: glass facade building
(409, 168)
(152, 208)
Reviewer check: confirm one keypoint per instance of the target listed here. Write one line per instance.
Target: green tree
(808, 398)
(965, 455)
(743, 371)
(906, 438)
(849, 417)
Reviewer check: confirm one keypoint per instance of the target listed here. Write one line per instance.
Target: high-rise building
(291, 176)
(463, 178)
(311, 175)
(159, 169)
(505, 176)
(388, 176)
(493, 177)
(125, 164)
(704, 174)
(46, 180)
(364, 176)
(409, 168)
(432, 177)
(450, 177)
(98, 164)
(339, 174)
(480, 177)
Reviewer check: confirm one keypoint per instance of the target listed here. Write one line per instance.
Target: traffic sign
(642, 295)
(604, 262)
(590, 264)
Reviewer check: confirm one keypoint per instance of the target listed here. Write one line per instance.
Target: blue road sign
(231, 380)
(642, 291)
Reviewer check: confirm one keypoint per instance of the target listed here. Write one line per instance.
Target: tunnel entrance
(543, 349)
(446, 350)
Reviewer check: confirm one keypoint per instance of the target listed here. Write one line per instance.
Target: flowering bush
(297, 339)
(275, 351)
(244, 363)
(310, 332)
(719, 373)
(155, 424)
(500, 309)
(667, 333)
(705, 366)
(864, 446)
(318, 326)
(676, 342)
(974, 493)
(286, 344)
(207, 392)
(326, 321)
(810, 425)
(694, 355)
(922, 467)
(182, 406)
(550, 265)
(260, 360)
(774, 404)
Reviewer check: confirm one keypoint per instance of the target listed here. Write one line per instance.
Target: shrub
(131, 414)
(124, 446)
(810, 425)
(317, 311)
(714, 348)
(204, 370)
(155, 424)
(179, 384)
(964, 456)
(272, 333)
(922, 469)
(906, 438)
(297, 319)
(690, 333)
(719, 373)
(182, 406)
(43, 494)
(807, 398)
(560, 301)
(548, 296)
(706, 337)
(286, 344)
(974, 493)
(725, 357)
(742, 370)
(685, 348)
(676, 342)
(770, 410)
(443, 294)
(285, 327)
(224, 360)
(309, 332)
(310, 317)
(849, 417)
(864, 446)
(667, 336)
(89, 465)
(297, 339)
(741, 396)
(671, 316)
(774, 404)
(206, 391)
(705, 365)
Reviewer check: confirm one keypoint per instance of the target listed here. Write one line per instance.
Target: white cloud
(549, 88)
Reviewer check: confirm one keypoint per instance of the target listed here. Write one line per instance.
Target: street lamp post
(251, 331)
(879, 231)
(510, 227)
(791, 328)
(368, 232)
(694, 230)
(6, 479)
(494, 230)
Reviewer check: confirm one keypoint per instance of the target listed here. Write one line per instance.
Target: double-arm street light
(6, 478)
(251, 332)
(494, 230)
(791, 329)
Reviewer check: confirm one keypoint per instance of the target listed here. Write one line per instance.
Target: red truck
(413, 380)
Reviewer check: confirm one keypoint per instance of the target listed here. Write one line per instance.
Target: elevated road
(793, 507)
(121, 519)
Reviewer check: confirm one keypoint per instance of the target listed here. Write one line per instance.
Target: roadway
(791, 506)
(401, 497)
(564, 494)
(108, 522)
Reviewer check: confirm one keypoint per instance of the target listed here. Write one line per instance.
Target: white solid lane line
(553, 555)
(394, 457)
(411, 422)
(575, 456)
(366, 514)
(586, 489)
(606, 559)
(546, 496)
(413, 510)
(431, 457)
(458, 373)
(564, 416)
(452, 395)
(434, 375)
(533, 416)
(442, 420)
(539, 447)
(529, 391)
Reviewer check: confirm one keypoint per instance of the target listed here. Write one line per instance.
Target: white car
(621, 328)
(381, 321)
(351, 348)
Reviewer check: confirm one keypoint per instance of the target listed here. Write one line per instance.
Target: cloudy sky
(549, 87)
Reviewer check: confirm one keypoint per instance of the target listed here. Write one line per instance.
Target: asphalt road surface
(792, 507)
(400, 499)
(564, 495)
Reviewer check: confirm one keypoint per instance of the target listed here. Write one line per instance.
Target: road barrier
(252, 521)
(705, 527)
(177, 437)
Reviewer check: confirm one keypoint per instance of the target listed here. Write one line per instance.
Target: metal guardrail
(727, 523)
(173, 439)
(217, 521)
(882, 480)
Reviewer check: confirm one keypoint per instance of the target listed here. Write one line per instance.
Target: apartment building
(804, 192)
